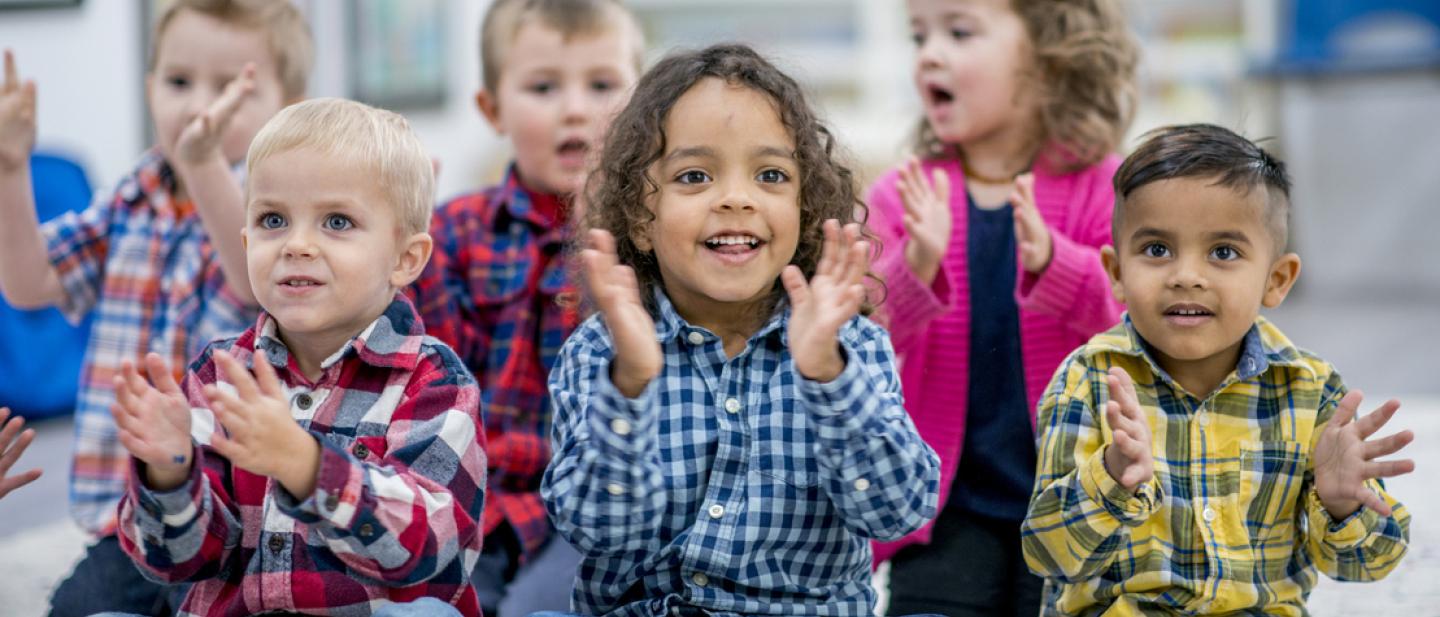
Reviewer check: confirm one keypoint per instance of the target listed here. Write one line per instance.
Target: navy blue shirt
(997, 464)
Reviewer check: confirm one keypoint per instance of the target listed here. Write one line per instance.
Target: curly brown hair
(618, 191)
(1083, 68)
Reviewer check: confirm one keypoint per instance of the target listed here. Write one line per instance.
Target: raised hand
(617, 294)
(260, 435)
(1031, 233)
(1344, 460)
(927, 218)
(17, 117)
(1127, 458)
(11, 449)
(201, 138)
(820, 307)
(154, 422)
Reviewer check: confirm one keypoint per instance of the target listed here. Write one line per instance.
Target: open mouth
(299, 282)
(939, 96)
(733, 243)
(573, 147)
(1188, 314)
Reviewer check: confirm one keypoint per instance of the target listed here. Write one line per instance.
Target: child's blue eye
(1225, 252)
(1155, 249)
(772, 176)
(693, 176)
(271, 220)
(338, 222)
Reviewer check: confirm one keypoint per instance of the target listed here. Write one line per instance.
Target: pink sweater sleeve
(910, 305)
(1075, 287)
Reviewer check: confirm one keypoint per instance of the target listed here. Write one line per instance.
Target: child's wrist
(825, 370)
(167, 477)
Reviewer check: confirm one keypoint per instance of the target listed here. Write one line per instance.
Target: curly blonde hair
(1083, 70)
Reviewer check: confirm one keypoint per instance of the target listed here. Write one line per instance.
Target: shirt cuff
(1130, 509)
(619, 423)
(339, 485)
(1344, 534)
(908, 299)
(175, 507)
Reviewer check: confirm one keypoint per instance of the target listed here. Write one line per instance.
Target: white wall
(88, 64)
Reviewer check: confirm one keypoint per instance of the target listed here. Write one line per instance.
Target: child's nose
(1188, 274)
(736, 197)
(300, 244)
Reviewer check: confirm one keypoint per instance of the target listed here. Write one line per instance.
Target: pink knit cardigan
(930, 324)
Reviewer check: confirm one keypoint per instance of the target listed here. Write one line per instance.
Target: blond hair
(569, 17)
(1082, 66)
(286, 34)
(378, 139)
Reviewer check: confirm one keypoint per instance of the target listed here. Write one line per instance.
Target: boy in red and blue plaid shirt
(348, 472)
(554, 73)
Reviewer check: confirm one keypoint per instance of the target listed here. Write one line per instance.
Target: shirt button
(717, 511)
(276, 544)
(620, 426)
(695, 338)
(366, 530)
(1203, 419)
(332, 501)
(862, 484)
(361, 451)
(1208, 514)
(303, 401)
(614, 489)
(732, 405)
(150, 539)
(700, 579)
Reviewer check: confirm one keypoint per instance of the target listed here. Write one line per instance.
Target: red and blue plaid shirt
(497, 291)
(402, 470)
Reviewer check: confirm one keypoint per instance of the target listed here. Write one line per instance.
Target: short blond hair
(287, 35)
(377, 139)
(568, 17)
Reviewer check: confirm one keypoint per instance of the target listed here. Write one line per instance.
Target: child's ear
(1111, 261)
(489, 106)
(414, 254)
(641, 237)
(1282, 277)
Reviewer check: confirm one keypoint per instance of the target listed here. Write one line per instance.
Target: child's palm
(17, 117)
(927, 212)
(202, 136)
(154, 420)
(1128, 459)
(820, 307)
(1344, 460)
(617, 295)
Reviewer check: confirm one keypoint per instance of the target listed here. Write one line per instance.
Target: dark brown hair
(568, 17)
(1207, 151)
(1083, 70)
(619, 190)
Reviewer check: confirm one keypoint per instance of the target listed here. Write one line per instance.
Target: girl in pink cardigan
(991, 284)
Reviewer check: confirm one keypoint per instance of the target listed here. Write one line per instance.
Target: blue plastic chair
(40, 352)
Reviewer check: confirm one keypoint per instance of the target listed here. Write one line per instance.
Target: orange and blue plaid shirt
(140, 261)
(402, 470)
(496, 289)
(1230, 523)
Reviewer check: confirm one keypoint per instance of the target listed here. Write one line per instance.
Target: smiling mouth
(299, 283)
(733, 243)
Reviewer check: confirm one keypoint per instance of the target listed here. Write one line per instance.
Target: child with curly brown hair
(729, 431)
(993, 283)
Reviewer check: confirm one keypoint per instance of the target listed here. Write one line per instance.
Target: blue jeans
(508, 589)
(107, 580)
(424, 607)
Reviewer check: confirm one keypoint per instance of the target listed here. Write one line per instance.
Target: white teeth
(726, 240)
(1190, 312)
(299, 283)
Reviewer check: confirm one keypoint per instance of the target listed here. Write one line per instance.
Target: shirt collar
(519, 200)
(669, 324)
(1264, 346)
(392, 341)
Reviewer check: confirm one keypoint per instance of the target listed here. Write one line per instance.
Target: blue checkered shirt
(733, 485)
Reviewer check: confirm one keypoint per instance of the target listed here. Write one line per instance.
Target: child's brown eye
(692, 177)
(1155, 250)
(772, 176)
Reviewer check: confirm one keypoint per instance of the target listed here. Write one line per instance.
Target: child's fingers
(1346, 410)
(1116, 418)
(1389, 469)
(127, 398)
(133, 381)
(12, 75)
(11, 454)
(795, 285)
(245, 386)
(1369, 499)
(266, 378)
(160, 374)
(9, 429)
(1371, 422)
(1378, 448)
(940, 187)
(223, 109)
(225, 446)
(228, 409)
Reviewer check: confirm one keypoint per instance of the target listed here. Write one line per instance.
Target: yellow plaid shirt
(1231, 521)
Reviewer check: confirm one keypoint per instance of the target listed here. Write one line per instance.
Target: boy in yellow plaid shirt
(1192, 459)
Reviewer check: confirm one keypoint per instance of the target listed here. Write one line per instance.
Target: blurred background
(1348, 90)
